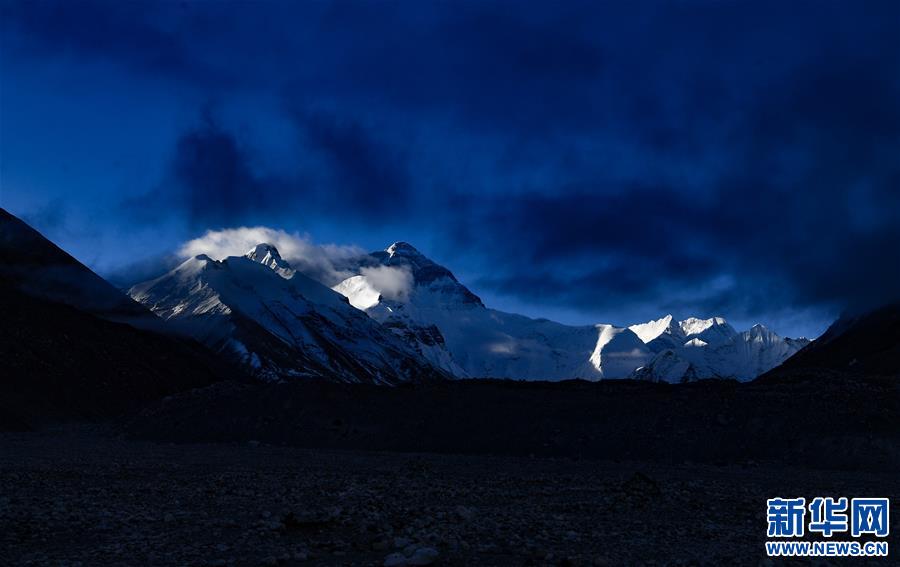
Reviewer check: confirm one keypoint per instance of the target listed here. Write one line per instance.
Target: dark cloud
(707, 156)
(365, 174)
(806, 211)
(212, 181)
(139, 36)
(342, 170)
(216, 175)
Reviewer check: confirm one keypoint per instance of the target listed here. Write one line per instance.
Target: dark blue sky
(585, 162)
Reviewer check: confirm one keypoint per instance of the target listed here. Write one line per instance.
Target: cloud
(365, 173)
(789, 202)
(212, 180)
(707, 157)
(342, 168)
(327, 263)
(391, 282)
(150, 38)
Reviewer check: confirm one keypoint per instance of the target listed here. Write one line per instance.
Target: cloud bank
(326, 263)
(329, 264)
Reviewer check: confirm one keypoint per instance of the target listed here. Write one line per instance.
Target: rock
(401, 542)
(423, 556)
(395, 560)
(641, 486)
(381, 544)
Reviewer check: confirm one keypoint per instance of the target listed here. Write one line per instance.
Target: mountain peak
(267, 255)
(401, 248)
(760, 332)
(695, 326)
(426, 273)
(653, 329)
(262, 250)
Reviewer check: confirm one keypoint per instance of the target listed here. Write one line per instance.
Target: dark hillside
(59, 362)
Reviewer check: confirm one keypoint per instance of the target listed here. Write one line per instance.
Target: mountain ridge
(538, 349)
(859, 344)
(279, 323)
(36, 266)
(401, 317)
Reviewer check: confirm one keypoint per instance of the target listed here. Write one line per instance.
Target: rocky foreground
(82, 496)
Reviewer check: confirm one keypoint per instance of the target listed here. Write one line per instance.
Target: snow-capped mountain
(710, 348)
(453, 329)
(268, 255)
(281, 323)
(667, 333)
(422, 323)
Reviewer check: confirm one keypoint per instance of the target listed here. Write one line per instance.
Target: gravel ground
(84, 497)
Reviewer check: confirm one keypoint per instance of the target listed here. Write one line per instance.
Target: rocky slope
(866, 343)
(32, 264)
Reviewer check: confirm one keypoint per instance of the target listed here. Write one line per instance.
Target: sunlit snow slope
(693, 349)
